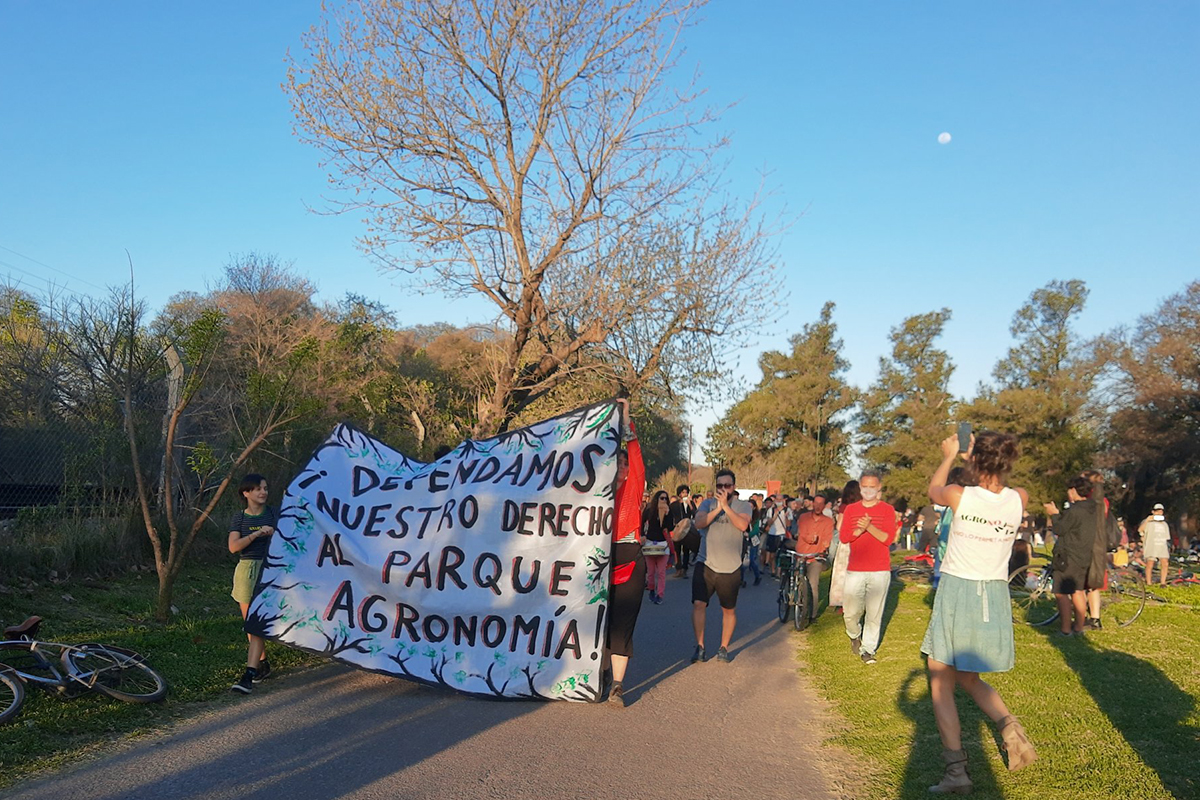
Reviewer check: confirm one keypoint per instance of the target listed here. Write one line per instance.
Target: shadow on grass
(1144, 705)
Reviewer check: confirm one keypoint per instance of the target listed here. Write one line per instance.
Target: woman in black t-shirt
(249, 537)
(656, 532)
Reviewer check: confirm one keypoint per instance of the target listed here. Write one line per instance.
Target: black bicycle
(1032, 592)
(795, 598)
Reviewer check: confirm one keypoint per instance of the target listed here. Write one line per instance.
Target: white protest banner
(486, 571)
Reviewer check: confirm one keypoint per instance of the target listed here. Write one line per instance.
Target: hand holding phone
(964, 437)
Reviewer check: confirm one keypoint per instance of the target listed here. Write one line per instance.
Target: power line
(47, 266)
(43, 293)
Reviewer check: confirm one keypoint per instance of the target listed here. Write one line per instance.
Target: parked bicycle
(1032, 593)
(70, 669)
(795, 595)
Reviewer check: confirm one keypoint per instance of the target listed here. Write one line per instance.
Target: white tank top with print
(982, 534)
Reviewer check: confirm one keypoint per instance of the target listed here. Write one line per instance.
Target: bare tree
(109, 351)
(537, 154)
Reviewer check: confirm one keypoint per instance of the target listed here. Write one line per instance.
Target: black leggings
(626, 600)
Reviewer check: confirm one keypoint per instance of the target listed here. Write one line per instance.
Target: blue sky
(162, 129)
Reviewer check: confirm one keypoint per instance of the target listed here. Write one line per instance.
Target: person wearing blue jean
(754, 539)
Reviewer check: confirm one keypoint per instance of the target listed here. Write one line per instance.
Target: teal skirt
(971, 628)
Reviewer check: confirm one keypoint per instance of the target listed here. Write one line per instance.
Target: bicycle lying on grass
(916, 568)
(70, 669)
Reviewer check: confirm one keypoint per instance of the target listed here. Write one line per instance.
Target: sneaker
(758, 580)
(723, 655)
(264, 671)
(698, 654)
(616, 695)
(856, 646)
(1091, 624)
(245, 684)
(868, 658)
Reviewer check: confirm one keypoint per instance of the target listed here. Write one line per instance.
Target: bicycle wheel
(119, 673)
(914, 574)
(12, 694)
(1032, 595)
(785, 597)
(802, 604)
(1125, 597)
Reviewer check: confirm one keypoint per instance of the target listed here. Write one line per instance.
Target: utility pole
(689, 455)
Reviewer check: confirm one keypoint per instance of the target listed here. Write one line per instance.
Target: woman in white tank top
(970, 630)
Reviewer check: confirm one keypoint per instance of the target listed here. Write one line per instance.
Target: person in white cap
(1156, 543)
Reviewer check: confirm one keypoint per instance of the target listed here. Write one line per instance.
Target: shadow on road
(338, 719)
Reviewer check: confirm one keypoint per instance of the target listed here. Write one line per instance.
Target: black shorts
(773, 543)
(725, 584)
(1069, 577)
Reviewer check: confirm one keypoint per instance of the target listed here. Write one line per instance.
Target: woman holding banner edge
(628, 563)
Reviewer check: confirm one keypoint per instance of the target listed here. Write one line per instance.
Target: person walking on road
(683, 509)
(1156, 543)
(869, 528)
(776, 525)
(629, 565)
(724, 520)
(249, 536)
(971, 630)
(814, 532)
(656, 529)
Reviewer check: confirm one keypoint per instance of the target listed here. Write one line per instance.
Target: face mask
(869, 494)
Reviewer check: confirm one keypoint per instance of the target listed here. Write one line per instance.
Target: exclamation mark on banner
(599, 631)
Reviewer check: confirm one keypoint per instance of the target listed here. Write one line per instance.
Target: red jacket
(628, 519)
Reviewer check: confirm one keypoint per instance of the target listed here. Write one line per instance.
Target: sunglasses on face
(724, 485)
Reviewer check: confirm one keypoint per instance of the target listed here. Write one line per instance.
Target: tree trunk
(166, 592)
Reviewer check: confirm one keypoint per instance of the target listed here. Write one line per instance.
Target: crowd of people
(975, 528)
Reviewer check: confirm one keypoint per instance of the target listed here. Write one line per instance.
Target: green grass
(1113, 714)
(199, 653)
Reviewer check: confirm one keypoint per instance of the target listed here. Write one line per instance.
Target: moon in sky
(943, 138)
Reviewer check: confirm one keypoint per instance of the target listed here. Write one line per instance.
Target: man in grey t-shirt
(723, 520)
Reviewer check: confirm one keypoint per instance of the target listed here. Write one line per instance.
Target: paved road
(711, 730)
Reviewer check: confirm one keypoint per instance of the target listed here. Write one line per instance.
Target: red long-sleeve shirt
(868, 554)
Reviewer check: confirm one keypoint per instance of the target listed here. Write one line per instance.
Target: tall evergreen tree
(907, 410)
(793, 422)
(1042, 388)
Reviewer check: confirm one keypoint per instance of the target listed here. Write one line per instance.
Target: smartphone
(964, 436)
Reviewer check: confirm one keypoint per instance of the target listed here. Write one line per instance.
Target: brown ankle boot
(955, 780)
(1016, 744)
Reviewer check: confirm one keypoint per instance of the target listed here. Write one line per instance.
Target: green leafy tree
(1152, 391)
(1042, 390)
(907, 410)
(793, 423)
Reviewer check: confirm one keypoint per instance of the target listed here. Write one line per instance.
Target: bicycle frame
(57, 680)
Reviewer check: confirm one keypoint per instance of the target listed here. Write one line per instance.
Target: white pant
(863, 599)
